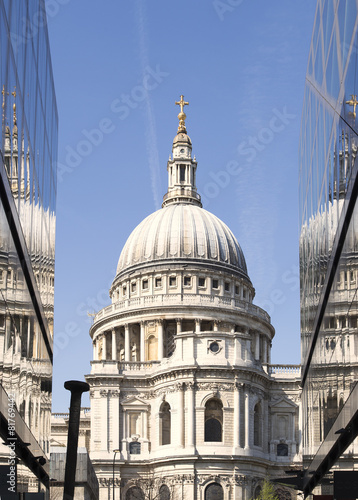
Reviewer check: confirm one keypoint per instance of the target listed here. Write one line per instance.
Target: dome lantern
(182, 168)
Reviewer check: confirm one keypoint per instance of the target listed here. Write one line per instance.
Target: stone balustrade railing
(181, 299)
(84, 410)
(284, 370)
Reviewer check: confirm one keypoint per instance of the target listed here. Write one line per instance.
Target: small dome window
(214, 347)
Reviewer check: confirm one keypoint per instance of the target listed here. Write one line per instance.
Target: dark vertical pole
(76, 388)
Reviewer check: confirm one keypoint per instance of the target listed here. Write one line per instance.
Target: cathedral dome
(180, 232)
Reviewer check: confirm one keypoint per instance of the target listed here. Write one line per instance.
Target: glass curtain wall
(28, 141)
(329, 224)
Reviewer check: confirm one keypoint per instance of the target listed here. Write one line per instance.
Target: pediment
(134, 402)
(283, 404)
(54, 442)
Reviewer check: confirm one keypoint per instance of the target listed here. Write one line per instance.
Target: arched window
(134, 493)
(257, 425)
(214, 491)
(134, 448)
(164, 415)
(164, 493)
(282, 450)
(213, 420)
(257, 493)
(330, 413)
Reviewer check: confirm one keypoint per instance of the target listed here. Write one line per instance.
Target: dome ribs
(182, 231)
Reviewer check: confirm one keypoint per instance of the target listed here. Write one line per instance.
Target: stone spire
(181, 167)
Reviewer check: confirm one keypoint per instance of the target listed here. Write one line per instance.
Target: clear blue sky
(241, 65)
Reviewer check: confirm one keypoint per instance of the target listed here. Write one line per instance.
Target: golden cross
(182, 103)
(353, 102)
(3, 96)
(14, 105)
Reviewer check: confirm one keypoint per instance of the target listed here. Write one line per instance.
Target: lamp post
(76, 388)
(114, 461)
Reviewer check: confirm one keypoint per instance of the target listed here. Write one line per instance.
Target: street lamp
(114, 461)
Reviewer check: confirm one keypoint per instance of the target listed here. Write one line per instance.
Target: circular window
(214, 347)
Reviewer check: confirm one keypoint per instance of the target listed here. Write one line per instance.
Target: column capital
(178, 320)
(247, 388)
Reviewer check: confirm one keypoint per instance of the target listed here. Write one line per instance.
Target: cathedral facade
(184, 400)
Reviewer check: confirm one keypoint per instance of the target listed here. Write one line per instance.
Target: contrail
(151, 133)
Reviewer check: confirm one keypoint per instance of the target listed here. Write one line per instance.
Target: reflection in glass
(28, 150)
(328, 238)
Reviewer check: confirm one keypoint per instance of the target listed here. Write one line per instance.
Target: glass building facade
(28, 141)
(328, 187)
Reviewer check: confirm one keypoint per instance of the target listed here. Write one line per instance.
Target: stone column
(104, 419)
(179, 320)
(95, 351)
(114, 345)
(248, 355)
(181, 416)
(237, 349)
(145, 425)
(265, 350)
(114, 409)
(191, 413)
(197, 325)
(104, 350)
(266, 425)
(142, 341)
(216, 326)
(269, 353)
(247, 418)
(293, 434)
(257, 345)
(160, 340)
(127, 347)
(237, 426)
(28, 354)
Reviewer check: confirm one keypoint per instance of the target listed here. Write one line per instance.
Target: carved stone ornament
(104, 482)
(165, 390)
(189, 478)
(179, 386)
(215, 387)
(125, 396)
(240, 480)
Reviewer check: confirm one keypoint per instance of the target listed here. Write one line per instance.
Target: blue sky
(118, 68)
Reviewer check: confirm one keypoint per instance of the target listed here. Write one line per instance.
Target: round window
(214, 347)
